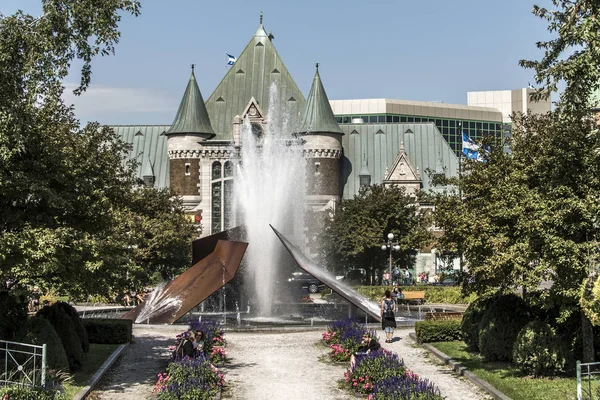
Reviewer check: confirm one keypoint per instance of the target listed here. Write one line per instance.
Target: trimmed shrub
(500, 326)
(438, 331)
(537, 350)
(13, 309)
(65, 328)
(433, 294)
(38, 330)
(108, 331)
(472, 318)
(79, 328)
(27, 393)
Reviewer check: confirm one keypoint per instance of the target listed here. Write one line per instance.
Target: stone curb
(101, 371)
(461, 370)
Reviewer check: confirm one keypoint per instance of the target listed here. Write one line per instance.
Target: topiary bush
(438, 331)
(108, 331)
(13, 309)
(38, 330)
(537, 350)
(79, 328)
(500, 325)
(65, 328)
(469, 326)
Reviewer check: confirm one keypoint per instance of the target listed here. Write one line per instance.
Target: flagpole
(460, 252)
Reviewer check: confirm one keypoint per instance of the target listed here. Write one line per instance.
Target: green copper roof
(424, 145)
(256, 68)
(318, 116)
(192, 116)
(364, 170)
(149, 149)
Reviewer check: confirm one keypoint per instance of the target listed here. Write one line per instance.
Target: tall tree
(353, 237)
(70, 205)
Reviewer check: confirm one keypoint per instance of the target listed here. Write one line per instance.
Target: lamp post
(390, 245)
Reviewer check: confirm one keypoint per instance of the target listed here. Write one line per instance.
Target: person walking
(388, 316)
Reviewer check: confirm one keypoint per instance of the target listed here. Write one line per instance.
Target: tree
(73, 215)
(352, 238)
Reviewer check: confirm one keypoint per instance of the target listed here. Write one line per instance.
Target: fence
(588, 385)
(24, 364)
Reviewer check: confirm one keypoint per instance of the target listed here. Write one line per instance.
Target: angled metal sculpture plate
(167, 304)
(343, 290)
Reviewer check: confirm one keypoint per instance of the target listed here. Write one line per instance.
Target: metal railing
(24, 364)
(588, 383)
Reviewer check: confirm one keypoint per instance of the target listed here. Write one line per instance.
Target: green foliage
(39, 331)
(13, 308)
(471, 320)
(537, 350)
(372, 368)
(73, 215)
(438, 331)
(353, 238)
(26, 393)
(575, 26)
(62, 323)
(108, 331)
(433, 294)
(189, 379)
(590, 299)
(79, 328)
(500, 325)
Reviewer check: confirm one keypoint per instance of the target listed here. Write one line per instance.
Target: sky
(426, 50)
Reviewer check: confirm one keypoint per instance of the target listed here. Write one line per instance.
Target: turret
(190, 128)
(323, 143)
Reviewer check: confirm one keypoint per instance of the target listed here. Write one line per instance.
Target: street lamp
(390, 245)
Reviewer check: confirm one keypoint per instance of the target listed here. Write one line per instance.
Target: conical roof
(318, 116)
(192, 116)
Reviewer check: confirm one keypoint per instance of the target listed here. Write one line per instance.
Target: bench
(442, 316)
(417, 296)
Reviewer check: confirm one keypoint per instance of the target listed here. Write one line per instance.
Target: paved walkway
(266, 365)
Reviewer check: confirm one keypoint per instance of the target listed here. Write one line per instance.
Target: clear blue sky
(429, 50)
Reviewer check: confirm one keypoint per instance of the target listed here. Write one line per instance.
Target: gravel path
(264, 365)
(133, 376)
(427, 366)
(280, 366)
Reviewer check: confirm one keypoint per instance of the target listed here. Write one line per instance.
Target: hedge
(108, 331)
(471, 320)
(79, 329)
(433, 294)
(438, 331)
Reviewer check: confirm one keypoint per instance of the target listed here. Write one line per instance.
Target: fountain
(269, 188)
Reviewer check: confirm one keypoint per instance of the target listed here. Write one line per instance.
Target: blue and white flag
(470, 149)
(230, 59)
(530, 86)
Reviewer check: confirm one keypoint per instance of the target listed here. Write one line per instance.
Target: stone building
(347, 143)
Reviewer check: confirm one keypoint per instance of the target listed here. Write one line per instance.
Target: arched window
(216, 170)
(221, 190)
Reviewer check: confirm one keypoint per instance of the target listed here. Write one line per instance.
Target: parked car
(306, 281)
(357, 276)
(450, 281)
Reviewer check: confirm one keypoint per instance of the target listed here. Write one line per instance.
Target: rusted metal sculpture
(167, 304)
(343, 290)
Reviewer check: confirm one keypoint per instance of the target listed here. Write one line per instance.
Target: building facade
(347, 143)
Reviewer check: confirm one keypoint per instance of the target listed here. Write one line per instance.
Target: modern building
(509, 101)
(347, 143)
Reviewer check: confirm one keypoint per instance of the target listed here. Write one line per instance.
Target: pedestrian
(386, 278)
(388, 316)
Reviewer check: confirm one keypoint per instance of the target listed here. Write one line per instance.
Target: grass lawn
(508, 379)
(95, 358)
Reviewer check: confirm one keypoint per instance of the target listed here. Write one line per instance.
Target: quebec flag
(230, 59)
(470, 149)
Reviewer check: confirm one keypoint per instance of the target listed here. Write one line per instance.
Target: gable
(402, 169)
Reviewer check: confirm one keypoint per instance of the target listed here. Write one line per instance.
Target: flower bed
(379, 374)
(194, 375)
(344, 337)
